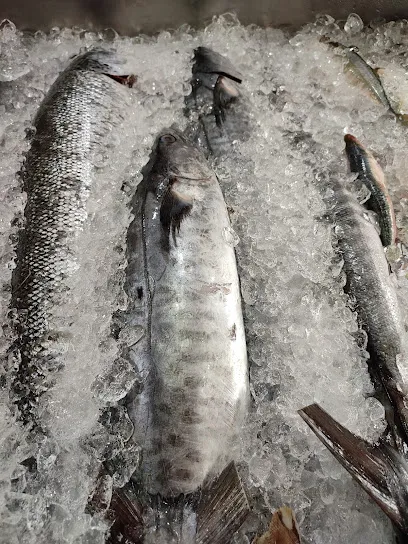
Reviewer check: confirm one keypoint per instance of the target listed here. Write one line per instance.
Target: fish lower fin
(282, 530)
(380, 470)
(126, 515)
(222, 508)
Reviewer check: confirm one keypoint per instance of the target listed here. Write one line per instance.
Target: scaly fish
(365, 73)
(216, 98)
(70, 129)
(369, 283)
(370, 173)
(182, 286)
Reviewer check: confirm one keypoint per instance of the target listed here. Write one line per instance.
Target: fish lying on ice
(382, 470)
(370, 284)
(370, 173)
(366, 74)
(183, 288)
(216, 99)
(70, 129)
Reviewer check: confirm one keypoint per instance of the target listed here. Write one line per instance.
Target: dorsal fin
(208, 61)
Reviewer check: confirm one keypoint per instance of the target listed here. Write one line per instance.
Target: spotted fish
(183, 288)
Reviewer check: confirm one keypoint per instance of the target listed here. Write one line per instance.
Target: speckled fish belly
(71, 127)
(182, 281)
(370, 173)
(223, 117)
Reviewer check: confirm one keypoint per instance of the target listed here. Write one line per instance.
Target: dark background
(133, 16)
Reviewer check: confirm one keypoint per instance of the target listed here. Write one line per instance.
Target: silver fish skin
(217, 100)
(369, 282)
(183, 283)
(370, 173)
(71, 125)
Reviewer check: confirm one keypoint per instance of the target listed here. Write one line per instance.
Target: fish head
(105, 61)
(174, 156)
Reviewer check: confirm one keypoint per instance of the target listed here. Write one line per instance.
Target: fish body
(223, 117)
(370, 173)
(70, 127)
(369, 283)
(182, 283)
(365, 73)
(196, 341)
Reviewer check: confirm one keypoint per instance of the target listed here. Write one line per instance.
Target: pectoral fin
(175, 207)
(222, 509)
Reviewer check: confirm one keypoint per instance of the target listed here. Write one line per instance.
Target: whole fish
(216, 99)
(370, 173)
(70, 129)
(366, 74)
(382, 470)
(183, 287)
(369, 283)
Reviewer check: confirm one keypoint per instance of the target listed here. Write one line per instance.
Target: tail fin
(222, 509)
(218, 513)
(380, 470)
(282, 530)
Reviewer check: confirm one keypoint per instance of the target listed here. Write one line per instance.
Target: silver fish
(72, 122)
(381, 469)
(216, 99)
(369, 283)
(364, 72)
(182, 286)
(370, 173)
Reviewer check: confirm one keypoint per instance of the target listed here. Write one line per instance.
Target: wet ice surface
(300, 331)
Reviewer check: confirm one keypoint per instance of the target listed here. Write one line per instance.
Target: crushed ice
(303, 339)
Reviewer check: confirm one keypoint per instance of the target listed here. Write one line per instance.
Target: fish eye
(167, 139)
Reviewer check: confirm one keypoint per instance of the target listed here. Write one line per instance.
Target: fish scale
(71, 126)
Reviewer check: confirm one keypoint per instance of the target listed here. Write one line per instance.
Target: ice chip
(354, 24)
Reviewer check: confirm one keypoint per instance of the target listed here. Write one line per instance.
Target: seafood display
(204, 247)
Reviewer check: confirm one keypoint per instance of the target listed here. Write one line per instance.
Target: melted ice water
(301, 332)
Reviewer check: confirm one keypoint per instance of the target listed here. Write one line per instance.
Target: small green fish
(370, 173)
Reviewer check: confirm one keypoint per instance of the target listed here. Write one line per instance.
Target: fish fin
(126, 514)
(225, 92)
(175, 207)
(101, 496)
(207, 61)
(222, 508)
(282, 530)
(368, 464)
(129, 80)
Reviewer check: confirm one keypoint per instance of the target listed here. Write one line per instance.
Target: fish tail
(379, 469)
(210, 516)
